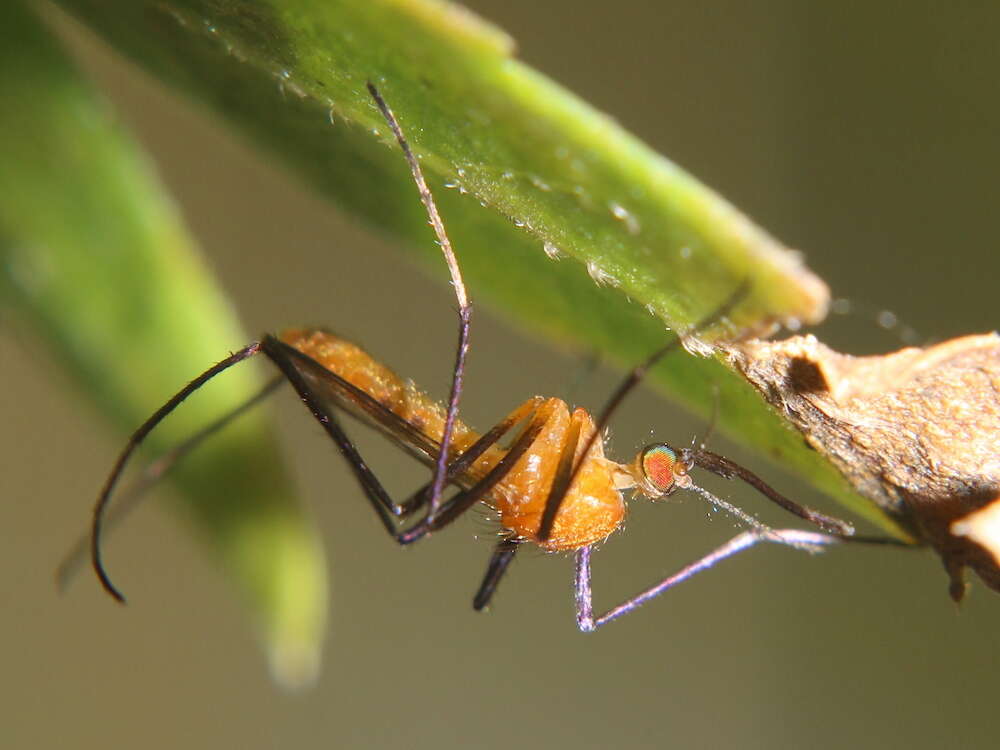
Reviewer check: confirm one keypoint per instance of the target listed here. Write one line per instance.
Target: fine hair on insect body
(550, 484)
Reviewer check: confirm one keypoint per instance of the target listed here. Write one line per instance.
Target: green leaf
(534, 172)
(94, 259)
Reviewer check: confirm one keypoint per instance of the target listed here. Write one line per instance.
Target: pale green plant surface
(95, 260)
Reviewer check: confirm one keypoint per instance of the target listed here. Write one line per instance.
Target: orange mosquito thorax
(592, 509)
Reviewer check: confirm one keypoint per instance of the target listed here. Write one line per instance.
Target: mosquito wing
(332, 393)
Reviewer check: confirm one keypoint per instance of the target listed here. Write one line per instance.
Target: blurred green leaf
(94, 259)
(643, 245)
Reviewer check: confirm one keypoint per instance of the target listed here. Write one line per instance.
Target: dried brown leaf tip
(916, 431)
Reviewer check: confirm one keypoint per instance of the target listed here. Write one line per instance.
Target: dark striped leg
(503, 555)
(458, 284)
(319, 389)
(151, 475)
(104, 498)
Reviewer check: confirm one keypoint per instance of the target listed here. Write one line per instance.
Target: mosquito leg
(330, 393)
(456, 505)
(638, 373)
(585, 620)
(464, 307)
(502, 556)
(298, 368)
(726, 469)
(561, 480)
(379, 499)
(101, 506)
(582, 592)
(152, 474)
(464, 462)
(388, 510)
(739, 514)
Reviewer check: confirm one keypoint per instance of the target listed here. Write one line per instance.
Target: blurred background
(865, 135)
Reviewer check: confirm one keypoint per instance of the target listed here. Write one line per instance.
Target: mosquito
(551, 485)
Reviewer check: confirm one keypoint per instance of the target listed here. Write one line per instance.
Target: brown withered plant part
(916, 431)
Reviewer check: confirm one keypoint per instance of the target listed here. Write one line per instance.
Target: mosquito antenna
(751, 521)
(153, 473)
(100, 508)
(464, 306)
(632, 380)
(727, 469)
(738, 513)
(806, 544)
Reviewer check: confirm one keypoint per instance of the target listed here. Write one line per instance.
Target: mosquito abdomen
(398, 395)
(592, 508)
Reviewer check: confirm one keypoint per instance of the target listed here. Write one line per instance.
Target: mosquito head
(659, 470)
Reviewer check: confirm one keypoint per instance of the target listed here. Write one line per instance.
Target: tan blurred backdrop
(867, 136)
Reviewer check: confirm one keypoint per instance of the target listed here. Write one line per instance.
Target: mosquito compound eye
(659, 467)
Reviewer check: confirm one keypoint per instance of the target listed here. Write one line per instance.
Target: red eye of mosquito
(658, 466)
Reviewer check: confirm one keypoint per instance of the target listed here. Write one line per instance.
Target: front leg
(808, 541)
